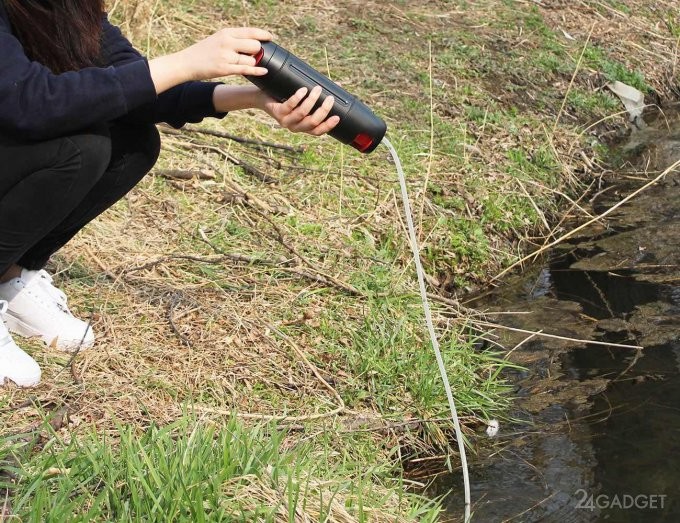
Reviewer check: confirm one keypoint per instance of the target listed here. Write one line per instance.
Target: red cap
(362, 142)
(259, 56)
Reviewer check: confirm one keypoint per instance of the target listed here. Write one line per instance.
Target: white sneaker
(38, 309)
(15, 364)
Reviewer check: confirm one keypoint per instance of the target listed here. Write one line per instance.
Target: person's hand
(294, 113)
(227, 52)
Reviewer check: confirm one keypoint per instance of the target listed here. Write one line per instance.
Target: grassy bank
(195, 472)
(261, 351)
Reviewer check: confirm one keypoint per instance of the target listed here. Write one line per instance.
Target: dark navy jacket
(36, 104)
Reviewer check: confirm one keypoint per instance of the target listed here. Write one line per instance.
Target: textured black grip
(358, 127)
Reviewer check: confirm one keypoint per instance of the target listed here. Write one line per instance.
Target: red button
(259, 56)
(362, 142)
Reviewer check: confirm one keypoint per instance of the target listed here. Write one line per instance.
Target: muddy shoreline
(594, 422)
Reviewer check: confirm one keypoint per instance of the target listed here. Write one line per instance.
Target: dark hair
(64, 35)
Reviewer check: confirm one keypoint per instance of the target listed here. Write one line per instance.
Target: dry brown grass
(143, 365)
(173, 329)
(642, 35)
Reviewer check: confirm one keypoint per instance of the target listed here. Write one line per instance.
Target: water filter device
(358, 127)
(363, 130)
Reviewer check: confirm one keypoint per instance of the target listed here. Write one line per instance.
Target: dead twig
(70, 363)
(573, 78)
(280, 237)
(247, 167)
(311, 275)
(241, 140)
(221, 258)
(542, 334)
(178, 174)
(246, 198)
(174, 301)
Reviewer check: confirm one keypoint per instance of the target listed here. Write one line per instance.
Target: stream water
(597, 436)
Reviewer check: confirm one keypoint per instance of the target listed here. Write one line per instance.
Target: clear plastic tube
(413, 240)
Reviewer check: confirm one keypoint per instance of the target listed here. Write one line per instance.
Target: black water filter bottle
(358, 127)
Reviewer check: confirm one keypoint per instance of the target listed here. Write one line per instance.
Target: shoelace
(44, 280)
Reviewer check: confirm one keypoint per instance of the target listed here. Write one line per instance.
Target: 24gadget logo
(621, 501)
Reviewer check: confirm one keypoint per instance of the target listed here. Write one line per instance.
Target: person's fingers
(326, 126)
(322, 112)
(315, 119)
(243, 59)
(289, 105)
(301, 112)
(254, 33)
(308, 103)
(246, 46)
(245, 70)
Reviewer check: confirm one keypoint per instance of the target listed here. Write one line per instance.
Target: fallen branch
(248, 199)
(313, 270)
(247, 167)
(174, 301)
(314, 276)
(245, 141)
(552, 336)
(177, 174)
(222, 257)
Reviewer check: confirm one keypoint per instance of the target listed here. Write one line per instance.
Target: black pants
(50, 190)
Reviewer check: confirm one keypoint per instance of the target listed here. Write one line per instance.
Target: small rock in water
(492, 428)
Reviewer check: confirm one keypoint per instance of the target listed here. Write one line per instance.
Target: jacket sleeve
(187, 102)
(36, 104)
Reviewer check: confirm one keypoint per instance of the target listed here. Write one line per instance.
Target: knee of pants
(153, 142)
(150, 139)
(92, 151)
(141, 144)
